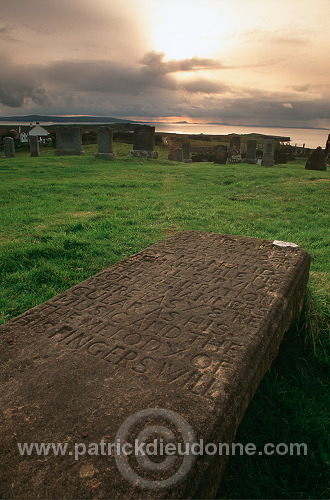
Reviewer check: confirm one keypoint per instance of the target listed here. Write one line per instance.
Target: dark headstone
(104, 143)
(68, 141)
(186, 152)
(34, 146)
(327, 146)
(234, 153)
(177, 154)
(251, 152)
(221, 155)
(317, 160)
(8, 147)
(144, 142)
(268, 153)
(171, 341)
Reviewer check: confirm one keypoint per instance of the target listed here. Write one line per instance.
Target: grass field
(66, 218)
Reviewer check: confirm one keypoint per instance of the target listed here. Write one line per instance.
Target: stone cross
(104, 143)
(9, 147)
(68, 141)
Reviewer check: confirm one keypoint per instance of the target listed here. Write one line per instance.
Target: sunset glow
(236, 62)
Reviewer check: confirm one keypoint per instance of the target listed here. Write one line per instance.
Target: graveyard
(66, 218)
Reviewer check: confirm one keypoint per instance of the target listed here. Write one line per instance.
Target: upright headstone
(34, 145)
(144, 142)
(268, 153)
(327, 146)
(221, 154)
(68, 141)
(251, 152)
(234, 154)
(317, 160)
(178, 154)
(186, 152)
(104, 143)
(8, 147)
(169, 343)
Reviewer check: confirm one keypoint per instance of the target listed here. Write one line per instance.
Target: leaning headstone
(144, 142)
(268, 153)
(317, 160)
(178, 154)
(34, 146)
(68, 141)
(186, 152)
(172, 341)
(251, 152)
(105, 143)
(8, 147)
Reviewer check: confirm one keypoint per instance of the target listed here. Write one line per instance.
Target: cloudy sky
(258, 62)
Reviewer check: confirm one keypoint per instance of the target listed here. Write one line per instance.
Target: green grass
(66, 218)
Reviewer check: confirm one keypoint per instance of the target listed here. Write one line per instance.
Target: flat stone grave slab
(166, 347)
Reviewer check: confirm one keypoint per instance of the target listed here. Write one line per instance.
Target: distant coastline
(111, 119)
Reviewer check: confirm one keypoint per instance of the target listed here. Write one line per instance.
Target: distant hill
(64, 119)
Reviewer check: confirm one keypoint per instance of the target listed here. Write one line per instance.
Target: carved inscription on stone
(176, 313)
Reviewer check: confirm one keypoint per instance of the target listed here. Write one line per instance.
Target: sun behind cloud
(185, 31)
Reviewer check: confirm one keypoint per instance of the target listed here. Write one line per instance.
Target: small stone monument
(104, 143)
(251, 152)
(68, 141)
(170, 343)
(268, 153)
(8, 147)
(186, 152)
(234, 153)
(221, 155)
(178, 154)
(317, 160)
(144, 142)
(34, 146)
(327, 146)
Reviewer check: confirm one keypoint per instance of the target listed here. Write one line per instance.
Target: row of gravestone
(69, 142)
(233, 155)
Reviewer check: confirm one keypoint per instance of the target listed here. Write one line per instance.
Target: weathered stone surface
(105, 143)
(268, 153)
(34, 146)
(251, 152)
(68, 141)
(186, 152)
(221, 155)
(144, 137)
(144, 154)
(327, 146)
(177, 154)
(8, 147)
(189, 325)
(317, 160)
(234, 153)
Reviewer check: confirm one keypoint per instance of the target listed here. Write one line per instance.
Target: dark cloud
(18, 84)
(155, 62)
